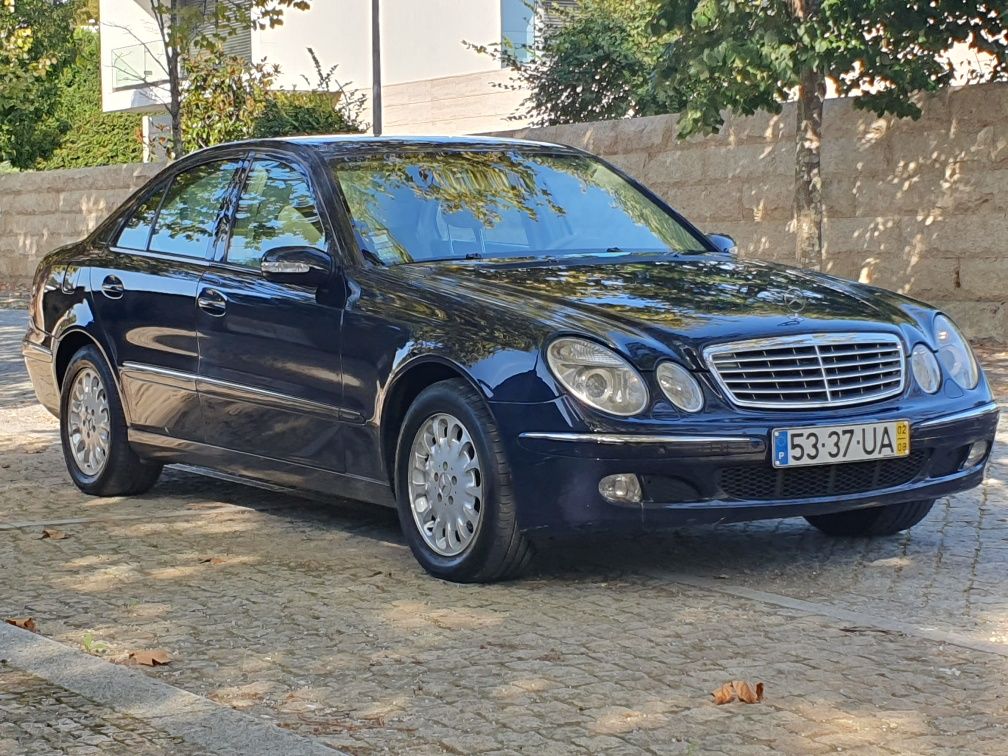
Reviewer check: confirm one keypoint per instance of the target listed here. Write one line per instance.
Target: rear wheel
(876, 521)
(453, 487)
(93, 431)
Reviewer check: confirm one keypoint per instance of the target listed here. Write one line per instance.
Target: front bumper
(714, 477)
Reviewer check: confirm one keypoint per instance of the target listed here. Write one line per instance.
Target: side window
(186, 223)
(136, 233)
(276, 209)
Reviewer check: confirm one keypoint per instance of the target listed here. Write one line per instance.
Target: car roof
(354, 144)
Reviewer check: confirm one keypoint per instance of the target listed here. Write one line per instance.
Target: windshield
(456, 205)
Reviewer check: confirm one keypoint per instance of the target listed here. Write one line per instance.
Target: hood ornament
(794, 300)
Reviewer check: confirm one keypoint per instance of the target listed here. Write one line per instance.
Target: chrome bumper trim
(983, 409)
(634, 438)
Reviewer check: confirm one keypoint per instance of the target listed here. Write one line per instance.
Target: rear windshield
(417, 207)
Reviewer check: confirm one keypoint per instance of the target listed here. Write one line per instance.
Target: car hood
(685, 301)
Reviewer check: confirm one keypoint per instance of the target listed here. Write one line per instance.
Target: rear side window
(276, 209)
(188, 218)
(136, 233)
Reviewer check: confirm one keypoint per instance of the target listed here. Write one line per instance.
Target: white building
(432, 83)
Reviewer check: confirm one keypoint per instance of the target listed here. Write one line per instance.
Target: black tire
(123, 473)
(499, 550)
(876, 521)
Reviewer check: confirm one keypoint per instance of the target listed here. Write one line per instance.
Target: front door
(144, 288)
(269, 369)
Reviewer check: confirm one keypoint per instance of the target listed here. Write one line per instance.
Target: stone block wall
(42, 210)
(920, 207)
(916, 206)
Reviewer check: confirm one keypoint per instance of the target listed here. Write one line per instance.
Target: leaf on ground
(54, 535)
(213, 560)
(738, 690)
(25, 623)
(151, 657)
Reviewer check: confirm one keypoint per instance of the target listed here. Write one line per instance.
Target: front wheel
(453, 489)
(875, 521)
(93, 431)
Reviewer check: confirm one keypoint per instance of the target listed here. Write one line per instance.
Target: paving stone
(317, 618)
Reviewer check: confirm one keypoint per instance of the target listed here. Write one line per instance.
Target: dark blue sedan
(502, 339)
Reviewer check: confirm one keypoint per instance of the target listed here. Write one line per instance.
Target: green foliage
(88, 135)
(190, 30)
(36, 43)
(746, 56)
(596, 64)
(224, 98)
(328, 108)
(228, 98)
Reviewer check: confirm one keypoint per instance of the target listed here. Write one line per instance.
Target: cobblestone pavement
(42, 719)
(315, 616)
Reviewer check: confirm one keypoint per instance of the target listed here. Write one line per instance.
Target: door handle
(212, 302)
(112, 287)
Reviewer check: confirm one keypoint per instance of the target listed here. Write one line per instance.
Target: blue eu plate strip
(780, 447)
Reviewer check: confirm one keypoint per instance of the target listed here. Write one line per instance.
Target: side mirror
(304, 266)
(724, 243)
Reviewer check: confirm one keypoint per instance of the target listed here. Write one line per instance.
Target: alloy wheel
(445, 485)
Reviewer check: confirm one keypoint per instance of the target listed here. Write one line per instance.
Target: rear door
(144, 288)
(269, 371)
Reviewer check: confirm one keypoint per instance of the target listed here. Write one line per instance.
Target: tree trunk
(174, 109)
(808, 204)
(808, 201)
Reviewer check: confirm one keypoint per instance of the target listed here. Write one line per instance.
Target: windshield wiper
(621, 251)
(368, 254)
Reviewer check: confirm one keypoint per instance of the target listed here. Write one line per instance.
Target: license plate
(797, 447)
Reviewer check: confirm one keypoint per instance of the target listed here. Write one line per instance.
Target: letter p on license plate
(828, 445)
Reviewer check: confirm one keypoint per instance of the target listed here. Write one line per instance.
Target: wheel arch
(72, 341)
(413, 378)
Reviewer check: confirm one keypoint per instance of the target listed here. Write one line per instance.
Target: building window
(518, 21)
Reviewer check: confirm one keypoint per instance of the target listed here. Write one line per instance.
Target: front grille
(813, 370)
(761, 483)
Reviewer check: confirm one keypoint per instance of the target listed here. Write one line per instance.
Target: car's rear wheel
(876, 521)
(453, 487)
(93, 431)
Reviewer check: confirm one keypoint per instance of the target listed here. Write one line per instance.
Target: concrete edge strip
(197, 720)
(229, 509)
(845, 615)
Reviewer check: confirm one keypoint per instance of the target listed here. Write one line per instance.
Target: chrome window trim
(984, 409)
(634, 438)
(805, 340)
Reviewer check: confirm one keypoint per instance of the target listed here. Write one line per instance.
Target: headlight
(954, 353)
(925, 368)
(680, 387)
(597, 376)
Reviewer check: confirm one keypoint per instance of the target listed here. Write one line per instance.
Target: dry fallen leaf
(724, 694)
(150, 657)
(25, 623)
(54, 535)
(741, 690)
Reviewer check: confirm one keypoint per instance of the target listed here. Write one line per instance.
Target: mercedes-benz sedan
(503, 339)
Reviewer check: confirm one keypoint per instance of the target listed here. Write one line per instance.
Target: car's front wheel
(453, 487)
(875, 521)
(93, 431)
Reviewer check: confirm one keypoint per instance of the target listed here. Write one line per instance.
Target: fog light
(621, 489)
(977, 451)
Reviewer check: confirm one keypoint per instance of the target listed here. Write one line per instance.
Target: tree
(89, 136)
(187, 29)
(225, 97)
(745, 56)
(593, 61)
(229, 98)
(36, 43)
